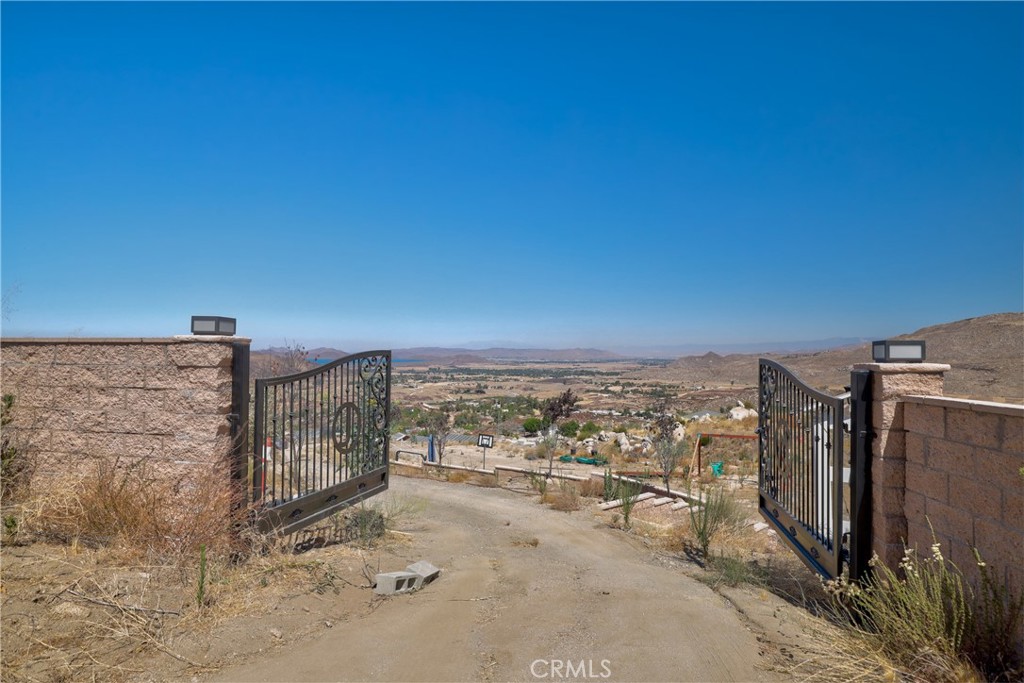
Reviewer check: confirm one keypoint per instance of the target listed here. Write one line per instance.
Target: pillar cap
(904, 368)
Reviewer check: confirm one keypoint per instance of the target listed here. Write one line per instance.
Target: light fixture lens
(213, 324)
(898, 351)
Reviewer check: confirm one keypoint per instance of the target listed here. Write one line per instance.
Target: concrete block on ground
(661, 501)
(680, 505)
(618, 503)
(760, 526)
(389, 583)
(425, 571)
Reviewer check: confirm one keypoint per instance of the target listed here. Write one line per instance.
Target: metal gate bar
(320, 440)
(800, 477)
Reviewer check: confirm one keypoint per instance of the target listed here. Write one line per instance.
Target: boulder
(741, 413)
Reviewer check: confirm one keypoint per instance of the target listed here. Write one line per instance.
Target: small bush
(129, 507)
(733, 571)
(16, 465)
(588, 430)
(532, 425)
(569, 429)
(927, 621)
(716, 512)
(484, 480)
(592, 488)
(628, 492)
(566, 498)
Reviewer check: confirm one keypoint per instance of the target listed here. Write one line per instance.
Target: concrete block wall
(890, 382)
(165, 400)
(964, 482)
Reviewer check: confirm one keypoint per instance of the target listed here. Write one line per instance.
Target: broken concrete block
(389, 583)
(618, 503)
(760, 526)
(425, 571)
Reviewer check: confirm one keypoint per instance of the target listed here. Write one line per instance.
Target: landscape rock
(741, 413)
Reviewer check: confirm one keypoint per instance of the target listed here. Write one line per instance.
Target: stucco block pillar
(889, 383)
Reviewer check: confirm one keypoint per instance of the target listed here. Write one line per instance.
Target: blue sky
(387, 175)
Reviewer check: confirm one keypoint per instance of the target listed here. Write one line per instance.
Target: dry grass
(132, 574)
(928, 623)
(129, 508)
(592, 488)
(488, 481)
(564, 499)
(458, 476)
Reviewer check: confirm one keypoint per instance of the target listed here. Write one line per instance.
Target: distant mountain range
(986, 355)
(448, 355)
(442, 354)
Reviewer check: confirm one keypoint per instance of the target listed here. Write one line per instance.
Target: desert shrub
(484, 480)
(15, 452)
(366, 523)
(566, 498)
(628, 492)
(995, 622)
(569, 429)
(588, 430)
(733, 571)
(532, 425)
(592, 488)
(129, 507)
(926, 620)
(610, 485)
(717, 511)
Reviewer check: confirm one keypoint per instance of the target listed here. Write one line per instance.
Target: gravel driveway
(526, 594)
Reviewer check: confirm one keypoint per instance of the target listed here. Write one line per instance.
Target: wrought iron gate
(813, 482)
(320, 440)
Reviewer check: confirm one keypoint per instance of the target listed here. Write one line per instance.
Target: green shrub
(715, 512)
(628, 492)
(569, 429)
(532, 425)
(588, 430)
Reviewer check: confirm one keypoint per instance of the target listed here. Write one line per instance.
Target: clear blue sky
(384, 175)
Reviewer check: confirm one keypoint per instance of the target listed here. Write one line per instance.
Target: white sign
(485, 441)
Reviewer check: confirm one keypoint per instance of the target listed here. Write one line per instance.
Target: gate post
(861, 434)
(888, 464)
(240, 412)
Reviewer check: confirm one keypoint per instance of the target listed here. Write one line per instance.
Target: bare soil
(522, 587)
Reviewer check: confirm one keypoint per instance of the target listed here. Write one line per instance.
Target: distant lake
(325, 361)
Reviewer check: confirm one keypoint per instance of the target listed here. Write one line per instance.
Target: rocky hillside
(987, 355)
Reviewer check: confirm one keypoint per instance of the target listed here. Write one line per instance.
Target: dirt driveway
(525, 594)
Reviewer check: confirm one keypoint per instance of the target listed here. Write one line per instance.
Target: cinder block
(425, 572)
(618, 503)
(389, 583)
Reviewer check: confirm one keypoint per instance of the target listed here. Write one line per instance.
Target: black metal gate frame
(800, 473)
(320, 440)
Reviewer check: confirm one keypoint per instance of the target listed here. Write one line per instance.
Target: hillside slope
(986, 355)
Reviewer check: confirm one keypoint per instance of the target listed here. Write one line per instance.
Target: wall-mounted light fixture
(213, 324)
(898, 351)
